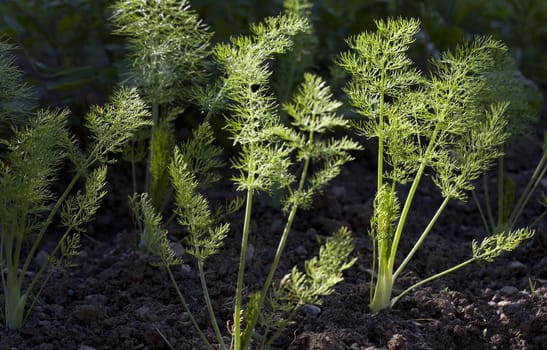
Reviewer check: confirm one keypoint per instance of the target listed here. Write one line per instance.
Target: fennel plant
(437, 123)
(266, 147)
(28, 206)
(297, 161)
(168, 51)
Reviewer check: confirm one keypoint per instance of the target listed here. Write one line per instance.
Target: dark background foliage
(68, 52)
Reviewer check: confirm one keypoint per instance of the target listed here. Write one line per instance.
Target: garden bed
(117, 299)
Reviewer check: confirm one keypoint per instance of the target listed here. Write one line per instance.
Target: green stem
(422, 238)
(380, 174)
(481, 213)
(374, 253)
(487, 201)
(241, 271)
(155, 123)
(278, 254)
(187, 309)
(410, 196)
(501, 195)
(267, 341)
(133, 170)
(383, 287)
(538, 219)
(431, 278)
(52, 214)
(210, 306)
(535, 180)
(404, 214)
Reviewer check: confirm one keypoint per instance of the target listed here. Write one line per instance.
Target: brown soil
(116, 299)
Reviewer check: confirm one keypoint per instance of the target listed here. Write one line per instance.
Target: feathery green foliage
(448, 122)
(169, 50)
(266, 147)
(16, 98)
(505, 81)
(28, 207)
(297, 289)
(296, 62)
(298, 161)
(169, 46)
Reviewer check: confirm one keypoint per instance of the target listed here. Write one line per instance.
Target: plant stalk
(187, 309)
(210, 310)
(537, 176)
(431, 278)
(241, 271)
(279, 252)
(422, 238)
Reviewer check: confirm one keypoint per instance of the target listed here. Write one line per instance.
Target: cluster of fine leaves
(168, 57)
(169, 46)
(16, 98)
(28, 206)
(297, 160)
(301, 57)
(321, 274)
(451, 122)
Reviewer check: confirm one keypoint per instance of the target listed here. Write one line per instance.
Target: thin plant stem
(536, 178)
(133, 171)
(538, 219)
(422, 238)
(36, 295)
(380, 173)
(241, 271)
(155, 123)
(187, 309)
(501, 194)
(487, 201)
(431, 278)
(210, 306)
(408, 202)
(279, 252)
(267, 341)
(52, 214)
(374, 254)
(481, 213)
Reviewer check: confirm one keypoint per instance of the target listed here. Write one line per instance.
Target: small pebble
(44, 323)
(339, 192)
(178, 249)
(41, 258)
(509, 290)
(504, 303)
(311, 309)
(186, 268)
(397, 342)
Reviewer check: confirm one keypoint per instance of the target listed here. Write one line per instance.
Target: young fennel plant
(299, 161)
(28, 207)
(266, 147)
(437, 123)
(169, 48)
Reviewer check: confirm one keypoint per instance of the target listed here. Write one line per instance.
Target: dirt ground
(116, 299)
